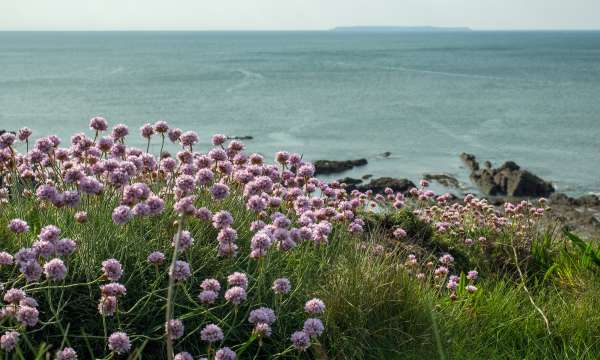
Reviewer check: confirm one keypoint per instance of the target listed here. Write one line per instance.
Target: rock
(470, 161)
(445, 179)
(588, 200)
(509, 165)
(378, 185)
(524, 183)
(486, 183)
(507, 180)
(352, 182)
(561, 199)
(367, 177)
(245, 137)
(386, 154)
(334, 166)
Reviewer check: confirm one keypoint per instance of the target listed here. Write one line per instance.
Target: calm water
(532, 97)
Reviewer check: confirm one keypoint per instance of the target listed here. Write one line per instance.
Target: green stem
(171, 290)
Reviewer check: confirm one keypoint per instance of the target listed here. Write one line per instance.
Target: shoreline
(580, 214)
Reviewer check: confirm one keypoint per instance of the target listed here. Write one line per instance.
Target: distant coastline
(399, 29)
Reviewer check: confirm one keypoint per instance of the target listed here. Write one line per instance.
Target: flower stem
(171, 290)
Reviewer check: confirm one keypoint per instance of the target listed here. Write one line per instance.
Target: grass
(536, 295)
(375, 309)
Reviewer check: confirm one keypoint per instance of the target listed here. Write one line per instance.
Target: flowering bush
(114, 251)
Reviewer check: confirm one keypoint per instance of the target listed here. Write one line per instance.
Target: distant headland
(398, 29)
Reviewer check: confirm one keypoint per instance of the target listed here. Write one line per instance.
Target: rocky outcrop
(586, 200)
(470, 161)
(581, 215)
(335, 166)
(378, 185)
(352, 182)
(507, 180)
(446, 180)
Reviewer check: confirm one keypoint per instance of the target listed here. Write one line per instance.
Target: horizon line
(357, 27)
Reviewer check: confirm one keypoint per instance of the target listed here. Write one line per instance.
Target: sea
(528, 96)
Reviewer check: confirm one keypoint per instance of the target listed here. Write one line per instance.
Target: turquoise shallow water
(531, 97)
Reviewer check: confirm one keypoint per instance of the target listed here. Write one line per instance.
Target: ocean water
(531, 97)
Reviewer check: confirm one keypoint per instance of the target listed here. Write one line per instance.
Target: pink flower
(174, 134)
(180, 271)
(174, 329)
(147, 131)
(161, 127)
(219, 191)
(183, 356)
(222, 219)
(211, 284)
(225, 354)
(238, 279)
(9, 340)
(112, 269)
(208, 296)
(6, 258)
(281, 286)
(18, 226)
(66, 354)
(107, 305)
(189, 138)
(314, 306)
(122, 214)
(211, 333)
(399, 233)
(120, 131)
(98, 123)
(156, 258)
(119, 342)
(14, 296)
(262, 315)
(300, 340)
(80, 216)
(28, 316)
(55, 269)
(218, 139)
(313, 327)
(113, 289)
(235, 295)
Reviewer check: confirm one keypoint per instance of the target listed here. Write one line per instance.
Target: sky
(294, 14)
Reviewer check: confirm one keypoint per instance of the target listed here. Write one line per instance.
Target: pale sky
(294, 14)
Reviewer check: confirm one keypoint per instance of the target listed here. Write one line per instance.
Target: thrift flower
(55, 269)
(119, 342)
(112, 269)
(314, 306)
(211, 333)
(18, 226)
(225, 354)
(66, 354)
(313, 327)
(238, 279)
(281, 286)
(300, 340)
(9, 340)
(180, 271)
(174, 329)
(156, 258)
(183, 356)
(235, 295)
